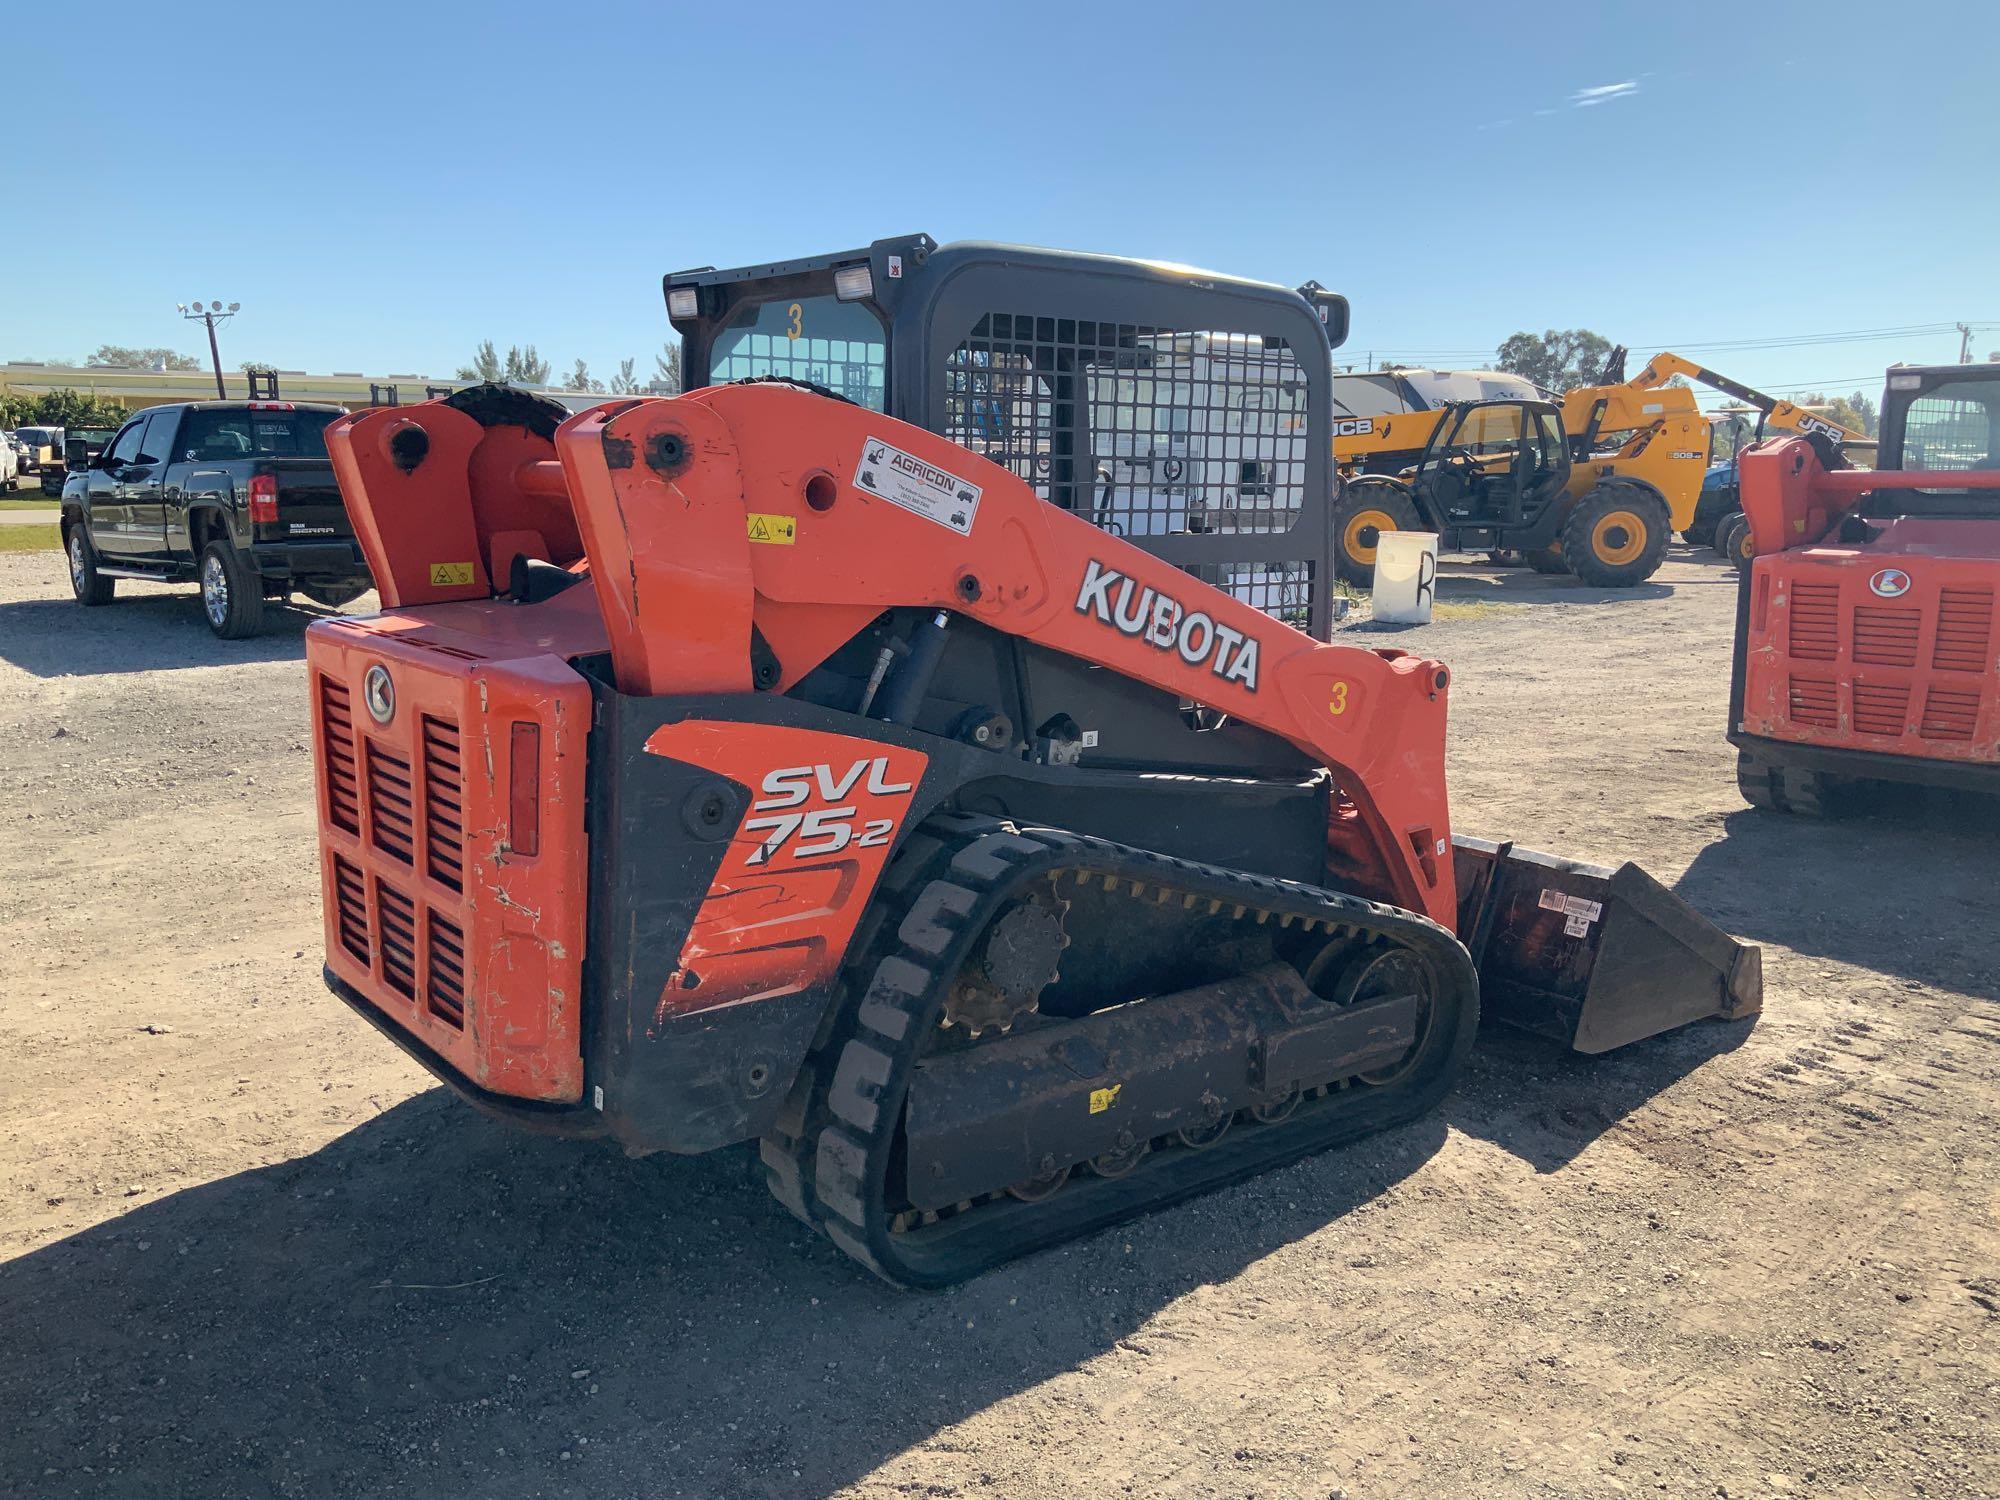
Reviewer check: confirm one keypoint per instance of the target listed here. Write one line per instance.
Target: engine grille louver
(343, 781)
(1951, 713)
(1815, 621)
(392, 827)
(398, 915)
(1964, 631)
(1814, 702)
(1880, 708)
(444, 977)
(444, 812)
(1885, 637)
(350, 895)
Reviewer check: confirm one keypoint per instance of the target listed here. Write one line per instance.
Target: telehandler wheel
(1733, 541)
(1548, 560)
(1368, 507)
(1617, 535)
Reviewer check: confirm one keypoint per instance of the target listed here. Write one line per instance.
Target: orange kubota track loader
(1867, 622)
(750, 765)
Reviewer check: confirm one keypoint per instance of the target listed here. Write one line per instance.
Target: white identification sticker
(906, 480)
(1580, 911)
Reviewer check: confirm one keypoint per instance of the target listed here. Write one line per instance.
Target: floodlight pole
(211, 317)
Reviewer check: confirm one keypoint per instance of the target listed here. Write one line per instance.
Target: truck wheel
(89, 585)
(1616, 536)
(232, 598)
(1368, 508)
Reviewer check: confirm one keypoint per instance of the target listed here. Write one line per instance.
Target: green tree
(667, 365)
(59, 409)
(579, 379)
(624, 383)
(522, 366)
(166, 359)
(1559, 360)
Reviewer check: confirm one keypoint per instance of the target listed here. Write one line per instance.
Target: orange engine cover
(436, 912)
(1886, 645)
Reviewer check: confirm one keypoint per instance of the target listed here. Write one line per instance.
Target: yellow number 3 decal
(796, 327)
(1337, 704)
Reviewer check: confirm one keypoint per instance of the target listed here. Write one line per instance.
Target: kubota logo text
(1162, 621)
(812, 831)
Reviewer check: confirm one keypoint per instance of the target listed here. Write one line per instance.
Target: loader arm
(671, 496)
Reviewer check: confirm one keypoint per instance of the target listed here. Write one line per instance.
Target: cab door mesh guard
(1192, 445)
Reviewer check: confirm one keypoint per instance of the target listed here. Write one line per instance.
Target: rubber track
(827, 1158)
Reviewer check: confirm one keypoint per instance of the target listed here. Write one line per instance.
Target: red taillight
(271, 406)
(524, 790)
(264, 499)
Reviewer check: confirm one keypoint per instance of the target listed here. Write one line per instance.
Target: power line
(1773, 341)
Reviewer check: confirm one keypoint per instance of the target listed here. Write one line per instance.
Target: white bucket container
(1406, 565)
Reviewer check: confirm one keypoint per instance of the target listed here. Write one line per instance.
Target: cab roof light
(853, 283)
(683, 303)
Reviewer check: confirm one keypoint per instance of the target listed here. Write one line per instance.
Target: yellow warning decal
(450, 575)
(1103, 1099)
(778, 531)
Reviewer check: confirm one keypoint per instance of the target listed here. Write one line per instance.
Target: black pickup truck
(238, 496)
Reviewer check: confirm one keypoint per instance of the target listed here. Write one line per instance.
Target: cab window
(154, 447)
(819, 340)
(1488, 430)
(125, 449)
(1952, 427)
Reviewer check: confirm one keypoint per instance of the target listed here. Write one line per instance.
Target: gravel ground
(247, 1249)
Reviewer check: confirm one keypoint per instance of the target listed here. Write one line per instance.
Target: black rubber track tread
(829, 1158)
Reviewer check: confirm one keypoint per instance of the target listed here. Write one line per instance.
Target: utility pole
(211, 315)
(1965, 343)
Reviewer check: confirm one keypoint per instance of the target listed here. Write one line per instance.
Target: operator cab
(1940, 418)
(1494, 465)
(1185, 411)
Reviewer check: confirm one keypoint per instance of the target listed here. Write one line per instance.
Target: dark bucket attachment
(1590, 956)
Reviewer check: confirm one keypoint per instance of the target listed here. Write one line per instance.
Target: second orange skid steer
(754, 766)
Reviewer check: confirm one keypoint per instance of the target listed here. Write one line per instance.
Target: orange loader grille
(1951, 714)
(1886, 637)
(1815, 621)
(1879, 707)
(343, 781)
(434, 919)
(393, 831)
(351, 895)
(1964, 631)
(444, 808)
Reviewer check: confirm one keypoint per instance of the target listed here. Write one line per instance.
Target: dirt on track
(247, 1249)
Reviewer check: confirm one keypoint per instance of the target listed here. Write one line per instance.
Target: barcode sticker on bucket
(1577, 908)
(1576, 926)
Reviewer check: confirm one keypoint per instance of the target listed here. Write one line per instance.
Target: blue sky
(382, 186)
